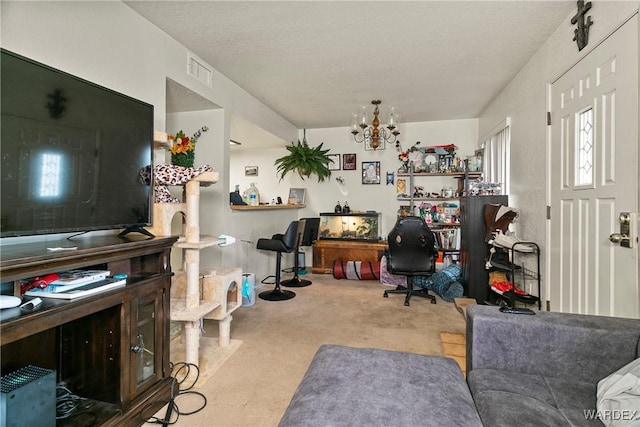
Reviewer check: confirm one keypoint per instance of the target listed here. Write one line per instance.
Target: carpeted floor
(254, 385)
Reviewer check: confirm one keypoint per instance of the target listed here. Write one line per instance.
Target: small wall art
(479, 160)
(368, 147)
(390, 178)
(297, 196)
(250, 171)
(335, 166)
(349, 162)
(401, 188)
(371, 172)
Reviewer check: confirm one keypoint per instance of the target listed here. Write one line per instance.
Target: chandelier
(373, 134)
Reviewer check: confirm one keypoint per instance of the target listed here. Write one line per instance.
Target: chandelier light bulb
(354, 123)
(392, 118)
(363, 117)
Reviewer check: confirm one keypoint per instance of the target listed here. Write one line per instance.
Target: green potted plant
(183, 148)
(305, 160)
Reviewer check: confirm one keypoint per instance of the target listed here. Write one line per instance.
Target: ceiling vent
(197, 69)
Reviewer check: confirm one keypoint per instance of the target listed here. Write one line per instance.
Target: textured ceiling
(315, 62)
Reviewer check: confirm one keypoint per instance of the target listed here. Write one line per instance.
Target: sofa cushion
(346, 386)
(582, 347)
(505, 398)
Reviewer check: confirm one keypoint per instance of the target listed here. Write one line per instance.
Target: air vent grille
(197, 69)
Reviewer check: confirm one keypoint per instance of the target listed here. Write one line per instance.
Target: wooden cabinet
(325, 252)
(112, 347)
(473, 247)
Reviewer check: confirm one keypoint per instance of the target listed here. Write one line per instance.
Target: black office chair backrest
(412, 248)
(311, 229)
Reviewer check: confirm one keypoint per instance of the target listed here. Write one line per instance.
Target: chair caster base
(276, 295)
(295, 283)
(411, 293)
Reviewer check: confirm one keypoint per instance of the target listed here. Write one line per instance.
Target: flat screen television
(71, 153)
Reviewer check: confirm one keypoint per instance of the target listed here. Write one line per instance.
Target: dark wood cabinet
(473, 246)
(112, 347)
(325, 252)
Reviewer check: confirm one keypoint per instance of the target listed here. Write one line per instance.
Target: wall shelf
(455, 174)
(428, 199)
(264, 207)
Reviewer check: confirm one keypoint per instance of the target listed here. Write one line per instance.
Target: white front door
(594, 177)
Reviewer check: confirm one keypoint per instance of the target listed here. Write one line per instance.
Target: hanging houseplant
(305, 160)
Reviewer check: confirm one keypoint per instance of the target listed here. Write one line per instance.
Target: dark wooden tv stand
(112, 347)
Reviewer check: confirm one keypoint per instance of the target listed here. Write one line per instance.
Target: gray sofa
(522, 370)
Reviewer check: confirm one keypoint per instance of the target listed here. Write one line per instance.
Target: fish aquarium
(358, 226)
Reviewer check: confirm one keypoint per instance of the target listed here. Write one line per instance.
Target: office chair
(280, 243)
(411, 253)
(307, 235)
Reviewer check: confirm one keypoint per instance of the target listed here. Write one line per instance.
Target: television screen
(71, 153)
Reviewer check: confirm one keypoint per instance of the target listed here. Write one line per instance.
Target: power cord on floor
(181, 372)
(67, 403)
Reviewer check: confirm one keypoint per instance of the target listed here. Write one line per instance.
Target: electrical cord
(67, 403)
(76, 235)
(181, 372)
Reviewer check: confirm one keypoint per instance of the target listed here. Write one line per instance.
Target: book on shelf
(70, 292)
(80, 277)
(447, 238)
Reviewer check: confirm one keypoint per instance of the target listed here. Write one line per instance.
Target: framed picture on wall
(250, 171)
(297, 196)
(335, 166)
(479, 160)
(349, 162)
(390, 178)
(371, 172)
(401, 187)
(368, 147)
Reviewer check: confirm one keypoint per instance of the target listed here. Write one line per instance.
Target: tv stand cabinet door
(148, 346)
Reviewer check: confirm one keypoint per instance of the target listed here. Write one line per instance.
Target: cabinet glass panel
(146, 337)
(363, 226)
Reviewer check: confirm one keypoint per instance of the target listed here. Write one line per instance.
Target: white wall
(322, 197)
(109, 44)
(525, 101)
(382, 198)
(210, 150)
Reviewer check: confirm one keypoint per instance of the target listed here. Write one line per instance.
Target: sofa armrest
(571, 346)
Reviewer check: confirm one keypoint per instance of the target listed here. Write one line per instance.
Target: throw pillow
(618, 397)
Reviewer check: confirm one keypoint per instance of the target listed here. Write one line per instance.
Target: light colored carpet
(254, 385)
(211, 355)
